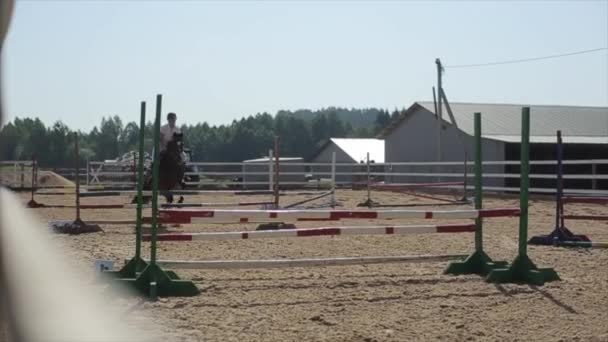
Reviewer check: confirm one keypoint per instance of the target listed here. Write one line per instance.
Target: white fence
(260, 175)
(247, 175)
(16, 173)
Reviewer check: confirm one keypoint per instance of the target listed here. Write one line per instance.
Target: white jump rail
(283, 263)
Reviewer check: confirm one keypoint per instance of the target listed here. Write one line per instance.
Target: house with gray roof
(351, 151)
(414, 136)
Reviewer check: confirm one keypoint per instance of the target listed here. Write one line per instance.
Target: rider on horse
(172, 162)
(167, 131)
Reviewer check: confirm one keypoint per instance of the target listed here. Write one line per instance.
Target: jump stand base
(155, 282)
(33, 204)
(368, 203)
(557, 237)
(477, 263)
(74, 228)
(130, 270)
(523, 271)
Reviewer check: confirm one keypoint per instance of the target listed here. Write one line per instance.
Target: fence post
(270, 171)
(333, 179)
(465, 182)
(276, 172)
(22, 175)
(135, 171)
(369, 190)
(594, 173)
(77, 162)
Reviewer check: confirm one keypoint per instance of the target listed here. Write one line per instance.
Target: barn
(349, 151)
(414, 136)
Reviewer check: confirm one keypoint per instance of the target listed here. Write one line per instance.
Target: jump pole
(560, 233)
(368, 202)
(78, 226)
(333, 180)
(478, 262)
(276, 172)
(88, 171)
(15, 174)
(137, 264)
(22, 176)
(153, 281)
(32, 202)
(369, 181)
(270, 171)
(523, 270)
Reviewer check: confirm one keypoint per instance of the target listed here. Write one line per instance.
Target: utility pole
(439, 114)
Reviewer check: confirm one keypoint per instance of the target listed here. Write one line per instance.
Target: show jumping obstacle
(561, 235)
(408, 189)
(522, 269)
(148, 278)
(78, 226)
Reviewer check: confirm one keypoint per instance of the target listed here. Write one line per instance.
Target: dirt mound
(50, 178)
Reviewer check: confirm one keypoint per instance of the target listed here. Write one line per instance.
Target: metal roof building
(414, 135)
(350, 150)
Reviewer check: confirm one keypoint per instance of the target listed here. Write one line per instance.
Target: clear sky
(77, 61)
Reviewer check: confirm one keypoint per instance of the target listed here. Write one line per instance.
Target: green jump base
(523, 271)
(155, 282)
(130, 270)
(477, 263)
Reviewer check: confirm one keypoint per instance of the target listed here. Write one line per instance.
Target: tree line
(301, 133)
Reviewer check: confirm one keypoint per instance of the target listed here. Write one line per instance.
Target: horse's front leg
(168, 196)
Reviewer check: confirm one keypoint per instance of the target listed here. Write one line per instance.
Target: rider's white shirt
(166, 135)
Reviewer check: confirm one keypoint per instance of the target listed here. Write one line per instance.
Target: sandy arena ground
(391, 302)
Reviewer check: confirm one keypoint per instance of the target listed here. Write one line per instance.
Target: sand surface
(391, 302)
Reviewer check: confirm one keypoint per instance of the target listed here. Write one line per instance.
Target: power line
(525, 59)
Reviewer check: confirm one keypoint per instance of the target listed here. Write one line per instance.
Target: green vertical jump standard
(523, 270)
(153, 281)
(137, 264)
(478, 262)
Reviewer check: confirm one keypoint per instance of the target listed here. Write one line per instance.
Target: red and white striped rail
(281, 263)
(310, 232)
(268, 216)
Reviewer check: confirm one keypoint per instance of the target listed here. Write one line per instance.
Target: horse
(171, 171)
